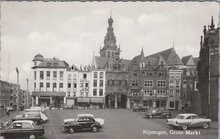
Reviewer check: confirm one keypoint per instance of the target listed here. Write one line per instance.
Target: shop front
(48, 99)
(90, 102)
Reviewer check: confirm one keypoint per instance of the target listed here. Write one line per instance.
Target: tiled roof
(170, 56)
(52, 63)
(185, 59)
(102, 61)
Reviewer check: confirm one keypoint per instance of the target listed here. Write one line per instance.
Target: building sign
(44, 93)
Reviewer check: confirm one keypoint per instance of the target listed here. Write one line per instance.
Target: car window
(81, 120)
(26, 125)
(195, 117)
(17, 125)
(189, 117)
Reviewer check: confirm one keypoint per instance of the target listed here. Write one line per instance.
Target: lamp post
(27, 95)
(17, 71)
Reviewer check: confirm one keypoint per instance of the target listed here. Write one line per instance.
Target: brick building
(208, 71)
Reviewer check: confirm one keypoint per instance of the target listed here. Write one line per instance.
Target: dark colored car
(82, 123)
(36, 117)
(158, 114)
(22, 129)
(140, 108)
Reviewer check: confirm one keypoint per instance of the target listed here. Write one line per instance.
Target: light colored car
(187, 120)
(99, 120)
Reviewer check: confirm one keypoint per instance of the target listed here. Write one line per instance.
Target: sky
(72, 31)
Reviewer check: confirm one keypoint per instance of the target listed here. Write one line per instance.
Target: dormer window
(35, 63)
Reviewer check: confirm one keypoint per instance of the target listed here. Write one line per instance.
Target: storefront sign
(43, 93)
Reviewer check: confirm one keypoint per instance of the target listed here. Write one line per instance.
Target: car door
(188, 121)
(14, 131)
(81, 123)
(27, 130)
(196, 121)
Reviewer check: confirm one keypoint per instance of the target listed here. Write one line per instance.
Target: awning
(97, 100)
(84, 99)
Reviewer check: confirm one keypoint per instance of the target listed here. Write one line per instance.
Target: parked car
(42, 115)
(158, 114)
(36, 117)
(187, 120)
(99, 120)
(81, 123)
(22, 129)
(140, 108)
(37, 108)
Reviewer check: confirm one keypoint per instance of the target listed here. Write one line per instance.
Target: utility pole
(17, 89)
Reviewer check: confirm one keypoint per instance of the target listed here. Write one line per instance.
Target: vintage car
(42, 115)
(22, 129)
(139, 108)
(187, 120)
(81, 123)
(158, 114)
(99, 120)
(34, 116)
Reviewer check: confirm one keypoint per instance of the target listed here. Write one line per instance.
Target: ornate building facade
(208, 71)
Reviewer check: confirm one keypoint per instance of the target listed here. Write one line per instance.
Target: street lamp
(27, 95)
(17, 71)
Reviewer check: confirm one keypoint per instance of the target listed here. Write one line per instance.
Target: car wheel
(32, 137)
(205, 125)
(71, 130)
(94, 129)
(184, 127)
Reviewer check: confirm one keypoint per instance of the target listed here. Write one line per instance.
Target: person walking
(7, 112)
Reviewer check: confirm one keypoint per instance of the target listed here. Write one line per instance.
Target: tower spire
(142, 55)
(212, 26)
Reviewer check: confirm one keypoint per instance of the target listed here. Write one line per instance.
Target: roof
(187, 114)
(170, 56)
(102, 61)
(38, 57)
(185, 59)
(52, 63)
(28, 121)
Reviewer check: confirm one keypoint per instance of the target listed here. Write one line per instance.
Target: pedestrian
(8, 112)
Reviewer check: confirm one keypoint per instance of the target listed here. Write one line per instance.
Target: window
(171, 105)
(101, 83)
(171, 93)
(116, 82)
(100, 92)
(41, 86)
(94, 92)
(74, 93)
(35, 75)
(61, 75)
(54, 74)
(196, 86)
(161, 93)
(48, 75)
(61, 85)
(148, 83)
(108, 54)
(26, 125)
(148, 92)
(69, 77)
(161, 83)
(41, 75)
(178, 84)
(112, 54)
(47, 85)
(54, 86)
(68, 93)
(34, 86)
(101, 75)
(74, 76)
(87, 84)
(84, 76)
(135, 74)
(134, 83)
(69, 85)
(95, 83)
(95, 74)
(74, 85)
(184, 84)
(184, 95)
